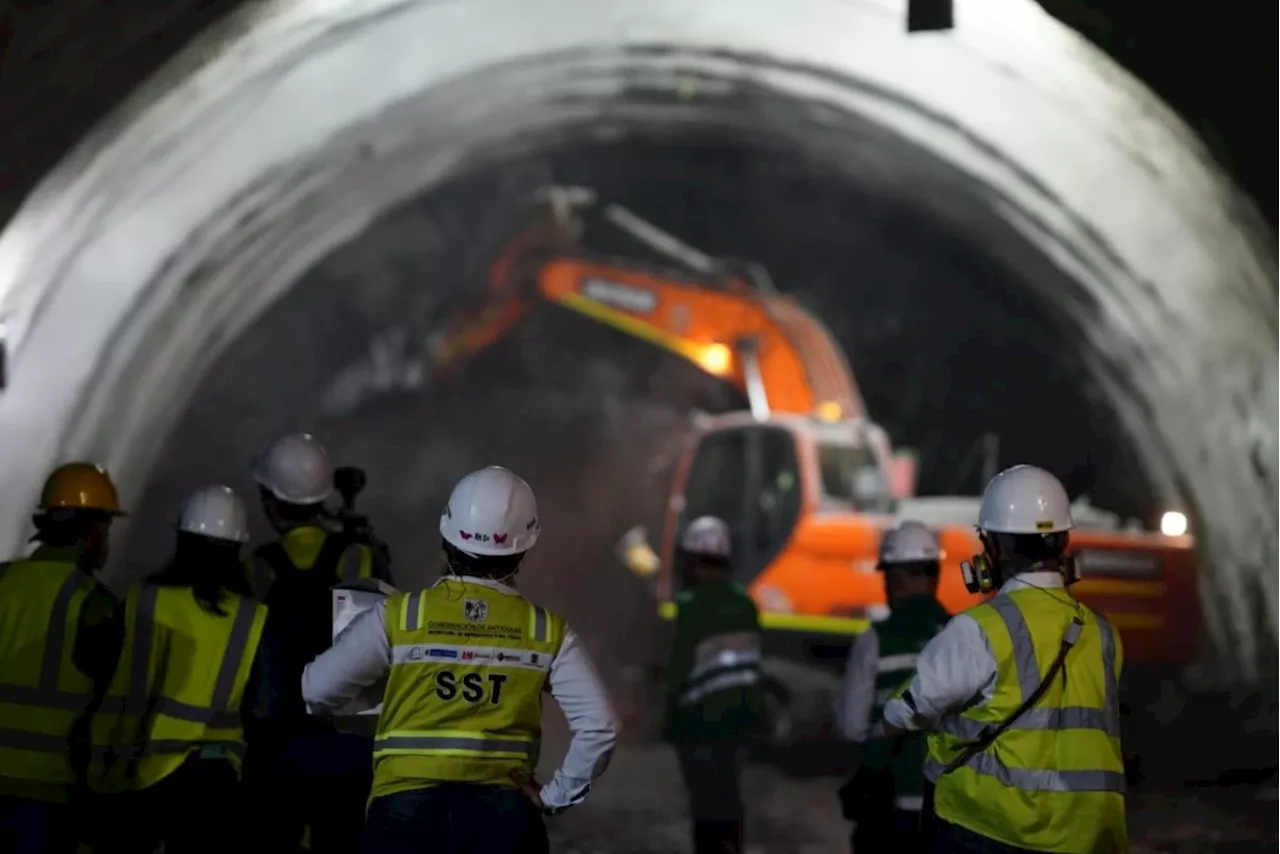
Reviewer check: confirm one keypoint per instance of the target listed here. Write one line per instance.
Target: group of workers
(199, 710)
(191, 711)
(994, 731)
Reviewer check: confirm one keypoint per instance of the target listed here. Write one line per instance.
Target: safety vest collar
(1044, 579)
(55, 554)
(479, 581)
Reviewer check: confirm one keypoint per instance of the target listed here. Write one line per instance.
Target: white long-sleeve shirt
(858, 689)
(361, 656)
(956, 666)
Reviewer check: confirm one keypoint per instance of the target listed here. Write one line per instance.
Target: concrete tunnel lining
(293, 126)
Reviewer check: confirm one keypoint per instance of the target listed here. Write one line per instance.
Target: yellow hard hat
(80, 486)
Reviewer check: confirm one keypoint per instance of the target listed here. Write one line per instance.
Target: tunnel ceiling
(194, 211)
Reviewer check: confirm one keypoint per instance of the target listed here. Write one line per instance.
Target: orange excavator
(805, 479)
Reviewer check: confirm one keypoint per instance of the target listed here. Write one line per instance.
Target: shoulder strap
(990, 734)
(277, 558)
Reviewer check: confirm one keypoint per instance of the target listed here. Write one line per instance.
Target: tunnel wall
(203, 199)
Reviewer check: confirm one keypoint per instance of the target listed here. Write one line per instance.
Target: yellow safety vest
(463, 701)
(1054, 781)
(42, 694)
(303, 545)
(179, 685)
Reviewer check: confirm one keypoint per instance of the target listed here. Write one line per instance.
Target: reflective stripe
(469, 656)
(723, 660)
(1036, 780)
(911, 803)
(453, 743)
(1111, 707)
(412, 605)
(721, 682)
(34, 741)
(55, 639)
(218, 713)
(902, 661)
(46, 694)
(539, 624)
(170, 747)
(143, 639)
(1024, 650)
(1039, 718)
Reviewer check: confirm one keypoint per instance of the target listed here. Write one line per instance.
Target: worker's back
(713, 668)
(43, 692)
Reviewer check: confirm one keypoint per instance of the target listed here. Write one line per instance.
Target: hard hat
(217, 512)
(1025, 500)
(296, 469)
(707, 536)
(491, 512)
(80, 486)
(909, 542)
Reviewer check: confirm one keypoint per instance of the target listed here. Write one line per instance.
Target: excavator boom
(766, 344)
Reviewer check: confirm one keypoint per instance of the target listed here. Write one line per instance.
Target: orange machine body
(785, 476)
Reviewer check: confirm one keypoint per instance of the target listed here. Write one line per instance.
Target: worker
(317, 780)
(885, 795)
(55, 621)
(466, 663)
(714, 697)
(1019, 695)
(295, 479)
(190, 672)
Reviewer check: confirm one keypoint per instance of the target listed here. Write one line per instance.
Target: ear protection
(981, 574)
(1070, 570)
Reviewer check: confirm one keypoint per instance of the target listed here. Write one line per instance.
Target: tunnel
(1053, 206)
(1004, 230)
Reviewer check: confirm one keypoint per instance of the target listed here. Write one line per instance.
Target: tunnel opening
(596, 420)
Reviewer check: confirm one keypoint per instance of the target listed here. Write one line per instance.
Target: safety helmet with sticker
(1025, 500)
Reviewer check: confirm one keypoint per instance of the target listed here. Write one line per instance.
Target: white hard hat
(216, 512)
(491, 512)
(909, 542)
(296, 469)
(1025, 500)
(707, 536)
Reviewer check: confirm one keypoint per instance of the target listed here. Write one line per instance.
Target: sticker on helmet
(475, 610)
(1044, 526)
(500, 539)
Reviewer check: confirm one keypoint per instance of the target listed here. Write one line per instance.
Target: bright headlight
(1173, 524)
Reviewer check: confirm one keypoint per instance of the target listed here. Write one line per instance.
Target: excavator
(805, 478)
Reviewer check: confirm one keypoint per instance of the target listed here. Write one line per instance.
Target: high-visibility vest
(304, 545)
(179, 685)
(42, 694)
(1054, 781)
(463, 701)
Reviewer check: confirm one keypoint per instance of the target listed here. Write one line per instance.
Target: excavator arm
(781, 357)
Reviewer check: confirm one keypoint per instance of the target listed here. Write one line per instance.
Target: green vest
(713, 667)
(909, 627)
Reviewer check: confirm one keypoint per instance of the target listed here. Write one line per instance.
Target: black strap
(325, 566)
(990, 734)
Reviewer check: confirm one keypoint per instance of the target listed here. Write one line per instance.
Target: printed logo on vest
(442, 653)
(475, 610)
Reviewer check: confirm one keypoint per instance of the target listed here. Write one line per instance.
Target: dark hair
(481, 566)
(714, 563)
(1023, 551)
(212, 568)
(287, 511)
(931, 568)
(65, 526)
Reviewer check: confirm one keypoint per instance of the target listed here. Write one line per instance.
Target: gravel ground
(639, 806)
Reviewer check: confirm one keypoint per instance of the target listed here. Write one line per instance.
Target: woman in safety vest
(1019, 694)
(58, 637)
(466, 663)
(188, 677)
(885, 796)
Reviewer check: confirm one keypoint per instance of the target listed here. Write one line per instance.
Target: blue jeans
(454, 818)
